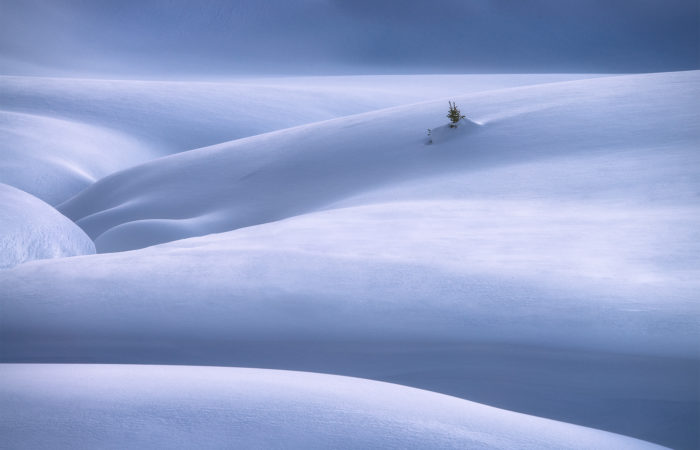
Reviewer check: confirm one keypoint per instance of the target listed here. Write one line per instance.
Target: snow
(301, 170)
(173, 116)
(112, 406)
(542, 257)
(30, 229)
(54, 159)
(59, 135)
(250, 225)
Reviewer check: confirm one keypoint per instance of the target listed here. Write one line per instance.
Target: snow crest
(30, 229)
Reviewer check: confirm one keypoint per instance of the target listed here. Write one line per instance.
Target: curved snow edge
(142, 406)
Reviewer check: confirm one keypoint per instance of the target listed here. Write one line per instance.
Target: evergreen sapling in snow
(454, 115)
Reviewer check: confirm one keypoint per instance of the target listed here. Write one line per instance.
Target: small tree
(454, 114)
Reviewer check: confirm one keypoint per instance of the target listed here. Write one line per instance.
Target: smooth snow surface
(541, 257)
(113, 406)
(30, 229)
(57, 136)
(555, 128)
(54, 159)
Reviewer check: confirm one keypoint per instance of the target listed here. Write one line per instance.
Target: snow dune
(304, 169)
(550, 248)
(54, 159)
(57, 135)
(175, 116)
(431, 271)
(87, 406)
(30, 229)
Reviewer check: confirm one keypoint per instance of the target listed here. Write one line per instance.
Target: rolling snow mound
(59, 135)
(543, 261)
(54, 159)
(304, 169)
(30, 229)
(88, 406)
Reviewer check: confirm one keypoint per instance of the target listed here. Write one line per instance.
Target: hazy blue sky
(215, 38)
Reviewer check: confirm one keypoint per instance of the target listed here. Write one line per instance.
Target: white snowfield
(30, 229)
(54, 159)
(595, 215)
(400, 271)
(555, 130)
(57, 135)
(114, 406)
(541, 257)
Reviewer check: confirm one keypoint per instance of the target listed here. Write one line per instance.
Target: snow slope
(54, 159)
(410, 271)
(543, 259)
(304, 169)
(174, 116)
(57, 136)
(112, 406)
(30, 229)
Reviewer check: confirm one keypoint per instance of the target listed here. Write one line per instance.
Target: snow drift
(541, 258)
(87, 406)
(308, 168)
(552, 248)
(54, 159)
(58, 135)
(30, 229)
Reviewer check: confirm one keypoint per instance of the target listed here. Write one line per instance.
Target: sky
(216, 38)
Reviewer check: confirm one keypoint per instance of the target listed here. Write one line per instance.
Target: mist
(179, 38)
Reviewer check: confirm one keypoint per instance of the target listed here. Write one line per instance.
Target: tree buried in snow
(454, 115)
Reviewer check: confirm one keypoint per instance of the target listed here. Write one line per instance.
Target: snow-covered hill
(59, 135)
(249, 224)
(555, 128)
(542, 259)
(88, 406)
(30, 229)
(54, 159)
